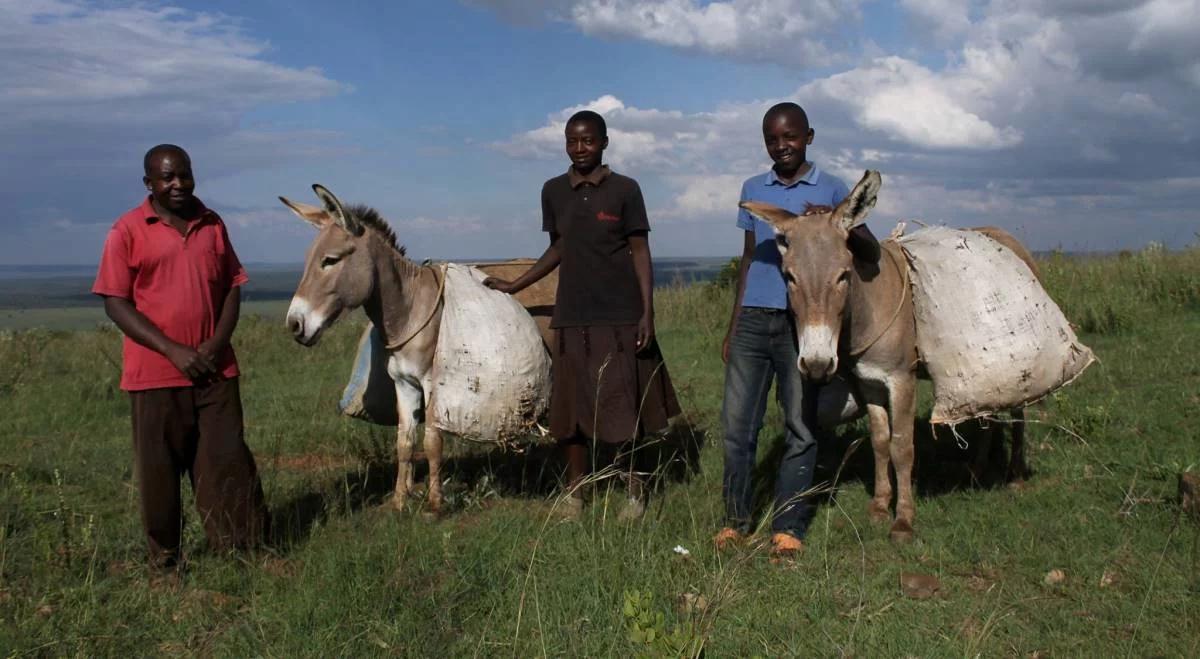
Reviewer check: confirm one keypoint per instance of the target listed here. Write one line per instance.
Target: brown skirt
(604, 389)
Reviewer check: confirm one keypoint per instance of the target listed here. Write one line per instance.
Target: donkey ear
(311, 214)
(778, 218)
(857, 205)
(334, 207)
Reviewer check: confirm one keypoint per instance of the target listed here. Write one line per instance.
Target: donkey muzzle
(304, 324)
(817, 348)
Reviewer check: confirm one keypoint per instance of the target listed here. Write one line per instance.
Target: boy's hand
(645, 331)
(212, 349)
(190, 362)
(501, 285)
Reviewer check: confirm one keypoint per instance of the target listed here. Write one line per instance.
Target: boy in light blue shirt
(760, 345)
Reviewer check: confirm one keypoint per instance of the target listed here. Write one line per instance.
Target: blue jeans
(763, 348)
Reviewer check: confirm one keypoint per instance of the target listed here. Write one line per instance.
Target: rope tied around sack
(396, 345)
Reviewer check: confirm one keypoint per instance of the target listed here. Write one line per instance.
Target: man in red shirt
(172, 282)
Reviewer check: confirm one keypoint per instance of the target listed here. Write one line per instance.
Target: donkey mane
(371, 217)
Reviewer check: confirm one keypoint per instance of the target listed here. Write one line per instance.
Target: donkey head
(817, 266)
(338, 270)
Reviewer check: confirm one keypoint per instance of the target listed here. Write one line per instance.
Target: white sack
(491, 371)
(990, 336)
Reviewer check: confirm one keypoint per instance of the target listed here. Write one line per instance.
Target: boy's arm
(226, 323)
(643, 267)
(743, 269)
(231, 306)
(139, 328)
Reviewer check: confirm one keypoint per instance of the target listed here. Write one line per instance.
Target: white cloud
(105, 82)
(907, 102)
(946, 19)
(639, 138)
(1033, 122)
(64, 61)
(797, 32)
(702, 197)
(86, 88)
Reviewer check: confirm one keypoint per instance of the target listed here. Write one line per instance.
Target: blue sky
(1072, 123)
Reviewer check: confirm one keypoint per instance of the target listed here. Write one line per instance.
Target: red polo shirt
(178, 282)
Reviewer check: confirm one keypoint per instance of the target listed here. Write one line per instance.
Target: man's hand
(645, 331)
(725, 346)
(496, 284)
(212, 350)
(191, 363)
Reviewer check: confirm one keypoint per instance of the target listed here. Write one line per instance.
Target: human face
(585, 146)
(787, 136)
(170, 182)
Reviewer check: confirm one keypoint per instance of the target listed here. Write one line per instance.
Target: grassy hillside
(497, 577)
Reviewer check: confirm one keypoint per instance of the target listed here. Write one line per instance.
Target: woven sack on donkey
(989, 335)
(491, 371)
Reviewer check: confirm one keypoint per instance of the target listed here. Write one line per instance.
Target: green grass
(496, 578)
(84, 317)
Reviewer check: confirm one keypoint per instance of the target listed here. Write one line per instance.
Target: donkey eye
(844, 278)
(788, 278)
(329, 260)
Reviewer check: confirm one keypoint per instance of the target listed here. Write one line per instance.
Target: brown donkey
(857, 319)
(355, 261)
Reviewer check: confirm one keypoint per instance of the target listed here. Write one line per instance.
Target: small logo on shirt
(605, 217)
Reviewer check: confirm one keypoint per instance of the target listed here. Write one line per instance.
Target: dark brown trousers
(198, 431)
(605, 389)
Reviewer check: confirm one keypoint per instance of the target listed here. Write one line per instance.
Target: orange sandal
(786, 545)
(727, 537)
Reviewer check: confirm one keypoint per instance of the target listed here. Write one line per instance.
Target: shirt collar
(150, 215)
(810, 177)
(595, 178)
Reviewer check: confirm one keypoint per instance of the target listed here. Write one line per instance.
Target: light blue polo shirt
(764, 282)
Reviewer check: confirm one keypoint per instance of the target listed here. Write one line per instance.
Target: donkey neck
(876, 294)
(403, 296)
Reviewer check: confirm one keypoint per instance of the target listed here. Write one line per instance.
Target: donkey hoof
(877, 513)
(901, 532)
(431, 514)
(1017, 484)
(398, 503)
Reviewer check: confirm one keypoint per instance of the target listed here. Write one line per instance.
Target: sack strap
(904, 293)
(396, 345)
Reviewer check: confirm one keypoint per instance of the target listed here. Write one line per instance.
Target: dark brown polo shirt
(594, 216)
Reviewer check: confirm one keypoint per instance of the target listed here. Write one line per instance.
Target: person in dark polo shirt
(610, 382)
(171, 282)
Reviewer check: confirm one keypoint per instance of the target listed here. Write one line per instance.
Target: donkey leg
(433, 453)
(1018, 470)
(881, 436)
(408, 400)
(903, 410)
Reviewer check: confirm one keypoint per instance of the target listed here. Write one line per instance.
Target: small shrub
(646, 628)
(727, 276)
(1083, 419)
